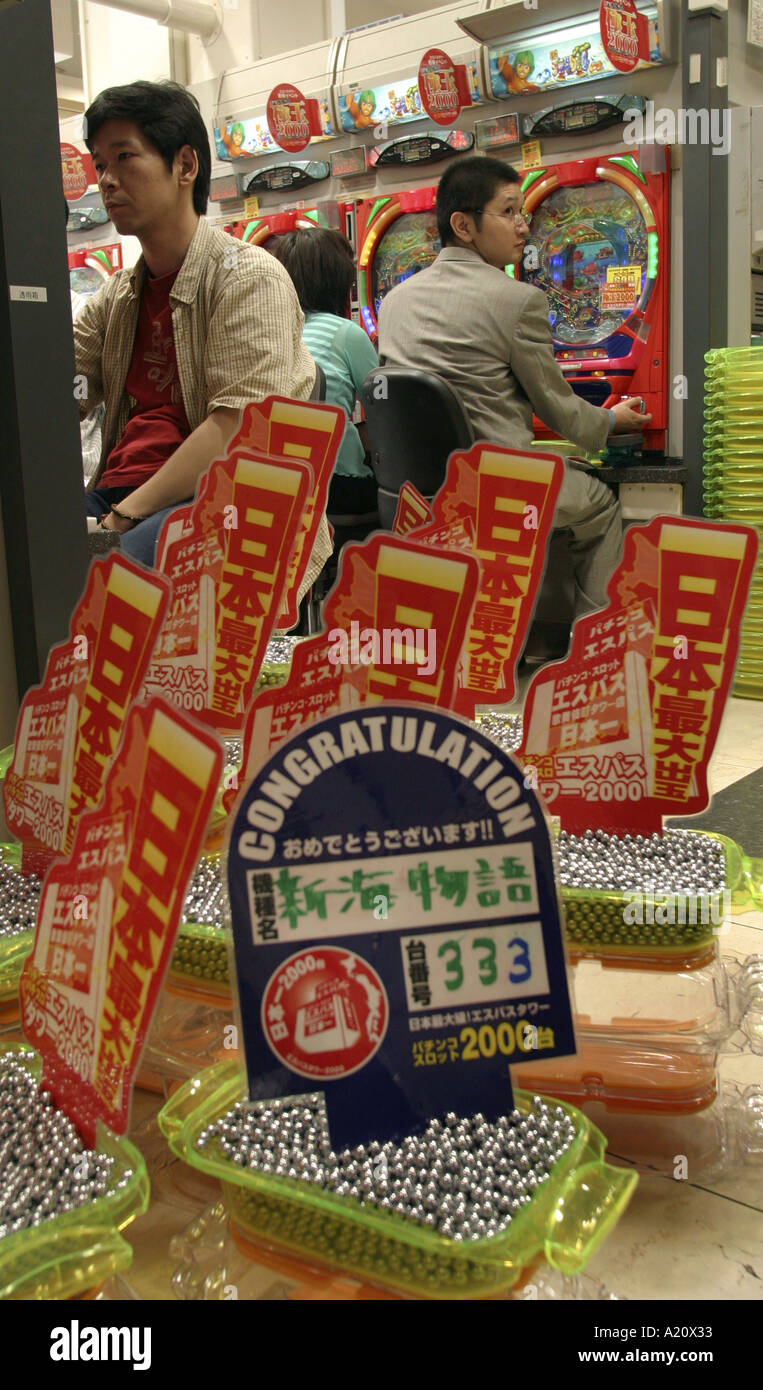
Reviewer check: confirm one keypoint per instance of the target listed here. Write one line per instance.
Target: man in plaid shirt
(200, 326)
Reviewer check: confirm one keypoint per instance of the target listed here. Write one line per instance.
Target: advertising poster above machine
(243, 139)
(398, 102)
(77, 172)
(293, 119)
(535, 62)
(443, 86)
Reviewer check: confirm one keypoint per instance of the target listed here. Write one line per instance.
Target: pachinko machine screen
(580, 235)
(410, 244)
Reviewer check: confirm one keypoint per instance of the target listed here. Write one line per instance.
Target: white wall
(118, 48)
(745, 59)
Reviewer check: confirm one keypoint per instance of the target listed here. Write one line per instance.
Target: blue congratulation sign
(396, 922)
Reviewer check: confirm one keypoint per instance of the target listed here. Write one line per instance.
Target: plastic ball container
(72, 1254)
(563, 1224)
(597, 925)
(14, 950)
(188, 1032)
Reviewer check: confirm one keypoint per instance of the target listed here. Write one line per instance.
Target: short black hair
(466, 187)
(320, 262)
(166, 115)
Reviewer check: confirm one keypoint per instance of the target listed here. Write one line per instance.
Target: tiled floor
(697, 1238)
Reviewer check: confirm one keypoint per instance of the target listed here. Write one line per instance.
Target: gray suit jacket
(488, 336)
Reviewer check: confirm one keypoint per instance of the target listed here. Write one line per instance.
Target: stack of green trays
(733, 479)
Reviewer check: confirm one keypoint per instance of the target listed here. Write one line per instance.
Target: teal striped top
(346, 355)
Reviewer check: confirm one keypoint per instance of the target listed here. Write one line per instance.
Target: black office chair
(346, 527)
(415, 421)
(318, 392)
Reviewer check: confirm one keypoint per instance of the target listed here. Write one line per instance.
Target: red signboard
(293, 120)
(621, 733)
(69, 725)
(395, 623)
(497, 503)
(109, 913)
(443, 87)
(624, 34)
(77, 171)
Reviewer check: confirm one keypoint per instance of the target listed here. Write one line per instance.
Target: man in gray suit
(488, 336)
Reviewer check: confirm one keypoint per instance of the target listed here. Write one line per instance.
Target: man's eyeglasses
(517, 215)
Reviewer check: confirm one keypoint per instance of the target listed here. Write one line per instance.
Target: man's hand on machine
(628, 415)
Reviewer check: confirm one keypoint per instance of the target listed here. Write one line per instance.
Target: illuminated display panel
(410, 244)
(501, 130)
(579, 233)
(242, 139)
(394, 103)
(533, 62)
(347, 162)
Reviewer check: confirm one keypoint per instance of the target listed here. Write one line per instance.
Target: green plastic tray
(566, 1221)
(595, 924)
(72, 1254)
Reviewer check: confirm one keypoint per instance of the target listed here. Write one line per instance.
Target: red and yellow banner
(621, 733)
(412, 510)
(312, 434)
(109, 914)
(228, 560)
(69, 726)
(500, 503)
(395, 623)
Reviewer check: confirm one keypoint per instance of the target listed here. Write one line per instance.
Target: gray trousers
(590, 510)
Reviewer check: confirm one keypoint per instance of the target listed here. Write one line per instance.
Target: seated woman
(320, 262)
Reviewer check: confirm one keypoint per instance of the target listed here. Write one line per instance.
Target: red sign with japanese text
(396, 621)
(412, 510)
(443, 86)
(228, 560)
(293, 120)
(621, 733)
(310, 433)
(109, 914)
(503, 499)
(77, 172)
(69, 725)
(624, 34)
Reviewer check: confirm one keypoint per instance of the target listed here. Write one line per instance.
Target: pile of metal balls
(680, 861)
(19, 899)
(465, 1178)
(599, 871)
(504, 729)
(275, 666)
(45, 1169)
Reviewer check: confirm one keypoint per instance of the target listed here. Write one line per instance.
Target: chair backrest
(318, 392)
(415, 420)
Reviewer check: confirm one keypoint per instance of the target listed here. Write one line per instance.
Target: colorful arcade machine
(267, 230)
(91, 266)
(599, 230)
(397, 236)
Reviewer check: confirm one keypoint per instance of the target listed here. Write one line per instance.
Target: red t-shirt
(158, 422)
